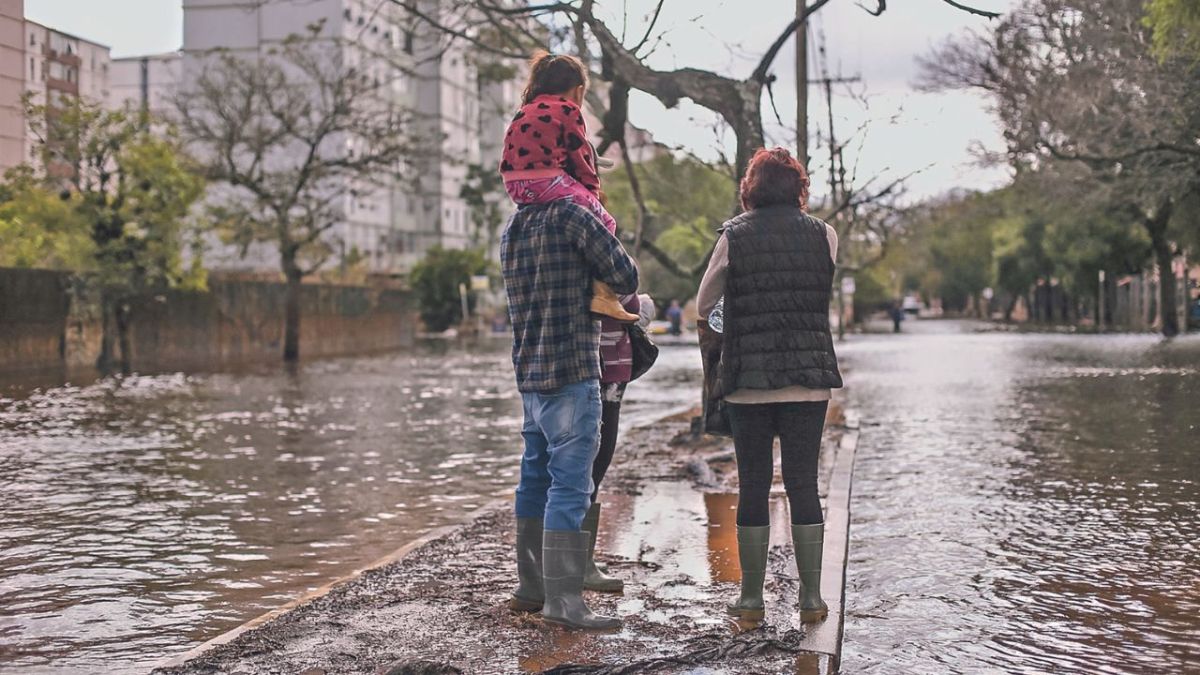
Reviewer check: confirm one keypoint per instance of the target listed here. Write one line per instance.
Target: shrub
(436, 279)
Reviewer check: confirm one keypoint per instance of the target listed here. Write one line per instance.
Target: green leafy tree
(134, 190)
(689, 201)
(1078, 90)
(1176, 28)
(41, 227)
(436, 280)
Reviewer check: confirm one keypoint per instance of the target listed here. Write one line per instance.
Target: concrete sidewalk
(438, 606)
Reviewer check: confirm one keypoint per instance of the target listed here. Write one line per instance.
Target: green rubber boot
(753, 545)
(529, 594)
(594, 579)
(564, 555)
(809, 542)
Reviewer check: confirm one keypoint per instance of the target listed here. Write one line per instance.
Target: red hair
(773, 178)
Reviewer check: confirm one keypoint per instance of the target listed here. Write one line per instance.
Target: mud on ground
(668, 531)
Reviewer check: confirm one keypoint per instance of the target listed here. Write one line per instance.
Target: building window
(347, 14)
(32, 69)
(408, 42)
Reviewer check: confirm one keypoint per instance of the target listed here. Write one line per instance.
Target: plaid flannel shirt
(550, 254)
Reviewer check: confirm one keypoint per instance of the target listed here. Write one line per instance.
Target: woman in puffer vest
(774, 267)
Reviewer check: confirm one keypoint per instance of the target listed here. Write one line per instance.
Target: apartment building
(145, 82)
(12, 82)
(46, 64)
(389, 228)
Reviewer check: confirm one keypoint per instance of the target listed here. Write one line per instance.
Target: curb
(827, 637)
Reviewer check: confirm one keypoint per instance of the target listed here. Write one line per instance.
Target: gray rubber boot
(753, 545)
(563, 556)
(529, 594)
(594, 579)
(809, 542)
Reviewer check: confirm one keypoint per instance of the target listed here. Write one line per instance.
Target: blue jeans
(562, 437)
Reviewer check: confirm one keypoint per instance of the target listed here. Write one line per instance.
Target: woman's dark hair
(774, 177)
(552, 74)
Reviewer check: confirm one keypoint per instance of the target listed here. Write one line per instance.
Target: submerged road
(1024, 503)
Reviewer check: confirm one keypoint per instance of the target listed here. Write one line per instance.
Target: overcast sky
(905, 130)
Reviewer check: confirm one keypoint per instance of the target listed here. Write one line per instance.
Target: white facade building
(12, 83)
(46, 64)
(389, 228)
(146, 82)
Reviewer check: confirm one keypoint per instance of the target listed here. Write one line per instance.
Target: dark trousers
(610, 422)
(798, 427)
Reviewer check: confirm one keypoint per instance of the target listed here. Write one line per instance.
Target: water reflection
(1024, 503)
(146, 514)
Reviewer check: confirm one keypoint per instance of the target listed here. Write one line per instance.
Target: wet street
(1024, 503)
(143, 516)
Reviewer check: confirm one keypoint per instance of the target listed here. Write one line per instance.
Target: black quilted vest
(777, 295)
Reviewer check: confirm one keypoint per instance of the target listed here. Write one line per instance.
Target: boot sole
(589, 629)
(524, 606)
(813, 615)
(747, 614)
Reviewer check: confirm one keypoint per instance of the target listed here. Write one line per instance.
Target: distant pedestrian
(774, 265)
(549, 254)
(547, 155)
(897, 314)
(675, 317)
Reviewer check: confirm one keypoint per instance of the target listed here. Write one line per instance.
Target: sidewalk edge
(394, 556)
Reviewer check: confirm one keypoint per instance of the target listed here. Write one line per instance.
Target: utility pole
(837, 176)
(802, 83)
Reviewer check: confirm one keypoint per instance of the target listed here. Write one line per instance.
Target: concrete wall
(34, 306)
(51, 321)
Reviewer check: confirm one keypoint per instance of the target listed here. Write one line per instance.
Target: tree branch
(760, 71)
(972, 10)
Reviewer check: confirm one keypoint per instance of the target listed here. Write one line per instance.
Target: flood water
(1024, 503)
(144, 515)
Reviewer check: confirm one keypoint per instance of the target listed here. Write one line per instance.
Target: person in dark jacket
(774, 266)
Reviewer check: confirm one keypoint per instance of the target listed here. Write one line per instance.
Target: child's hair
(552, 74)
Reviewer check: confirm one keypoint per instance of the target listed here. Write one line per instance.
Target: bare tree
(511, 30)
(289, 137)
(1076, 81)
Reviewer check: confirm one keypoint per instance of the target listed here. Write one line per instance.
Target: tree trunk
(1156, 227)
(121, 314)
(1164, 258)
(291, 311)
(747, 124)
(106, 363)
